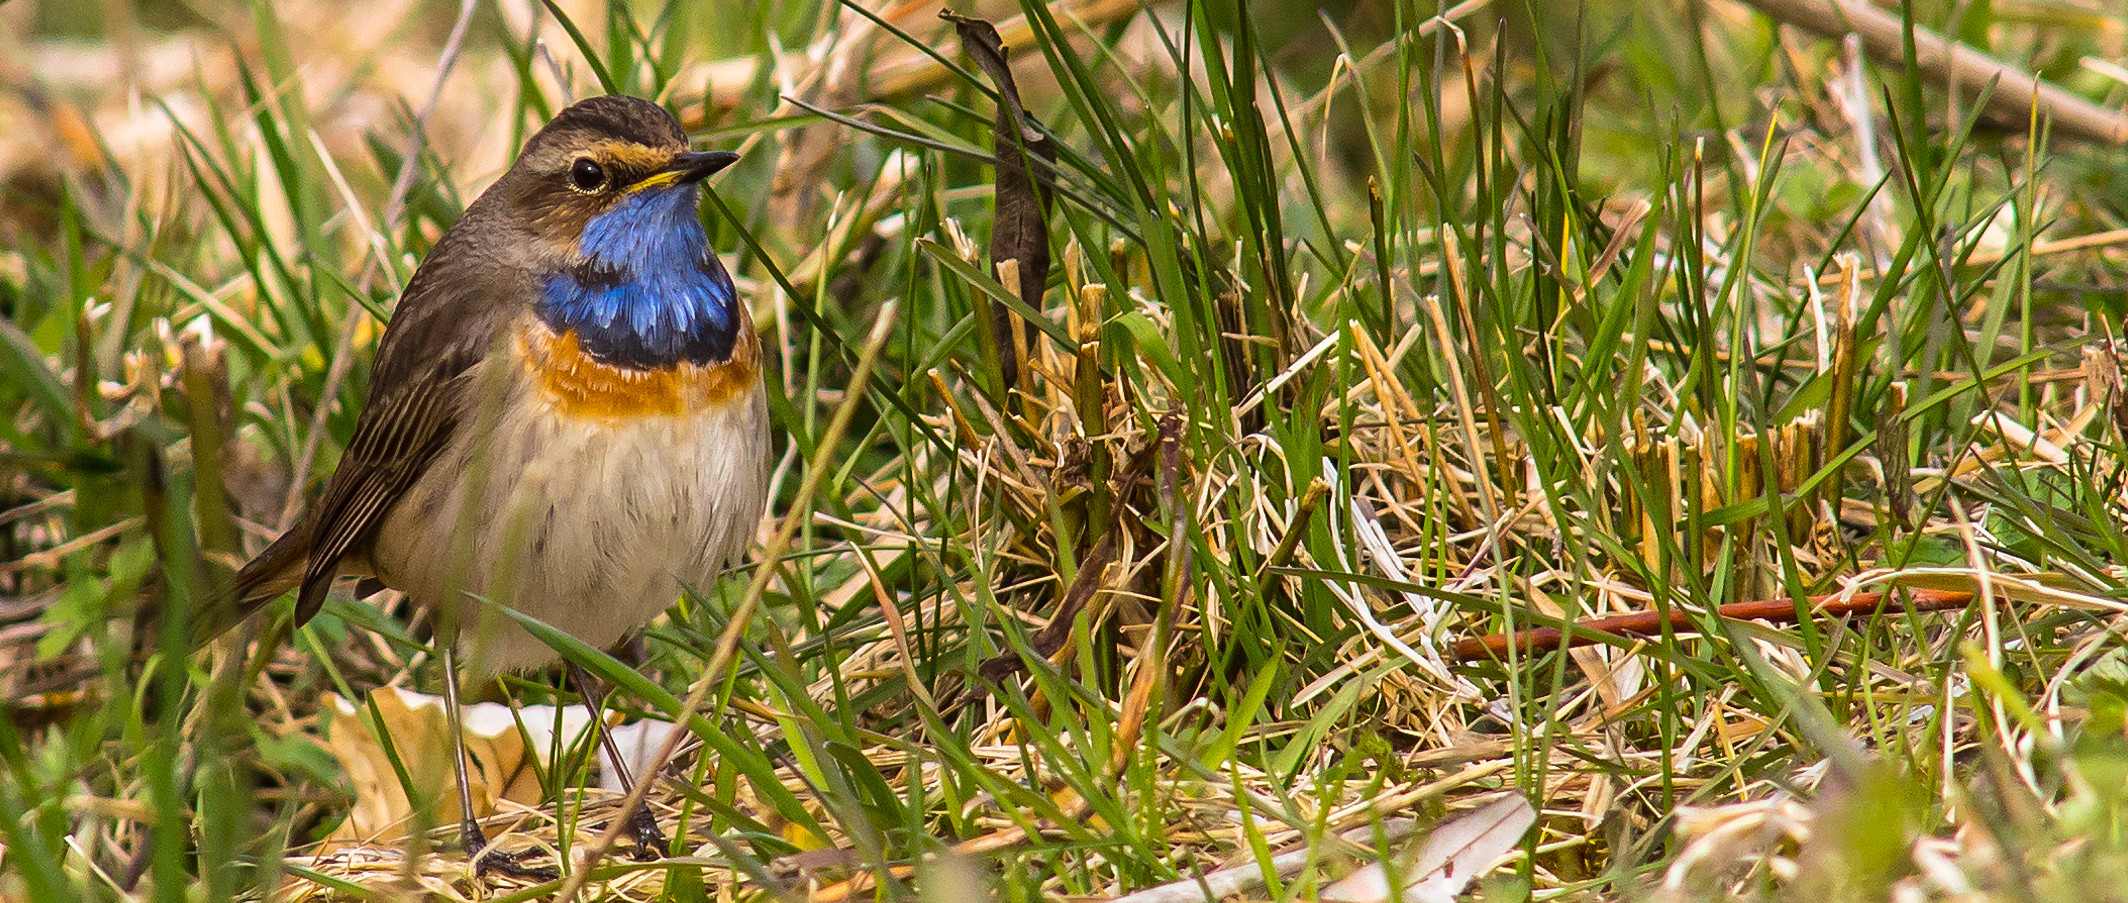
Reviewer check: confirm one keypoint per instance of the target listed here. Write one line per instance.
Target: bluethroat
(566, 416)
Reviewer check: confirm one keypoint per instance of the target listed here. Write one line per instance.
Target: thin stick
(2017, 93)
(395, 204)
(1649, 623)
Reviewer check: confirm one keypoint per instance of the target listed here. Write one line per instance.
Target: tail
(276, 570)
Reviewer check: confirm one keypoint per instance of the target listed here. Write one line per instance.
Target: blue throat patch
(649, 293)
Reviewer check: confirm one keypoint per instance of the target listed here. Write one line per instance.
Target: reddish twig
(1650, 623)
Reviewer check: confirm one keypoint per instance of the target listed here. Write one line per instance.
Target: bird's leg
(476, 843)
(650, 840)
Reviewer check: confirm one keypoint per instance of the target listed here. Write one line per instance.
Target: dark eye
(587, 175)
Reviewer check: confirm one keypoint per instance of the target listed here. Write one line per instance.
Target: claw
(508, 865)
(485, 861)
(489, 860)
(650, 842)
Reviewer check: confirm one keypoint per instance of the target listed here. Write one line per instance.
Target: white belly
(593, 525)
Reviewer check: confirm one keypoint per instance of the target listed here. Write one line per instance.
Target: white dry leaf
(1249, 874)
(1455, 854)
(501, 768)
(1433, 615)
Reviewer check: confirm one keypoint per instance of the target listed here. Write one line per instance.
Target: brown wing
(445, 324)
(395, 441)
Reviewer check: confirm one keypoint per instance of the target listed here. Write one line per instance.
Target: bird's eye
(587, 175)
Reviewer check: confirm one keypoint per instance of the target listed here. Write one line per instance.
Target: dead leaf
(1455, 854)
(502, 758)
(1020, 229)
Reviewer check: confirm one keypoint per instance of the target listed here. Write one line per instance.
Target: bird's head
(607, 192)
(606, 177)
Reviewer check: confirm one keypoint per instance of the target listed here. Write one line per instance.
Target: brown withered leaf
(1025, 160)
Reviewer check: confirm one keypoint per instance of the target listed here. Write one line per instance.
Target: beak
(689, 167)
(694, 166)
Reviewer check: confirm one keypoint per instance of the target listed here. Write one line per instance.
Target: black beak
(694, 166)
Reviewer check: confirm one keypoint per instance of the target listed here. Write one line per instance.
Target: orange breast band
(583, 386)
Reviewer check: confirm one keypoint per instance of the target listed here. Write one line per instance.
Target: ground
(1140, 517)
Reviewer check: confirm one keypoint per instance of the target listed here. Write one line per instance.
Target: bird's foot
(650, 842)
(494, 861)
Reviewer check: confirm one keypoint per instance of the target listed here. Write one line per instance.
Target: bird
(566, 417)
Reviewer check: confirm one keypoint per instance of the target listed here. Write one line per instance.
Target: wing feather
(427, 364)
(447, 321)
